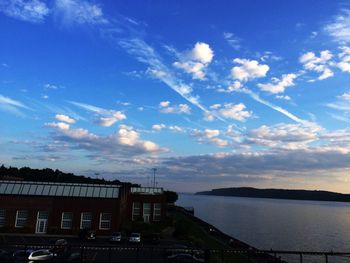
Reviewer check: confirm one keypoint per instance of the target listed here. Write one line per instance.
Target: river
(277, 224)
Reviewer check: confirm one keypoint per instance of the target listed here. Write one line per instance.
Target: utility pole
(154, 176)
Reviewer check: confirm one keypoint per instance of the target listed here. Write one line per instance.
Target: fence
(154, 254)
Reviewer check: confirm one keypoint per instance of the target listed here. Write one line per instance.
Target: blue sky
(213, 94)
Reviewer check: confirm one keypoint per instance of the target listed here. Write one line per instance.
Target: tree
(171, 196)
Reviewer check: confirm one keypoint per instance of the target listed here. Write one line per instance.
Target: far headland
(312, 195)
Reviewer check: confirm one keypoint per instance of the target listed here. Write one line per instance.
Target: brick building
(66, 208)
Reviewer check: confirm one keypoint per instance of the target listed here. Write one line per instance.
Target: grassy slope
(188, 230)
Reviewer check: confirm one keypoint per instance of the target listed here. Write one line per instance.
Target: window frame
(64, 220)
(105, 221)
(81, 220)
(158, 209)
(135, 216)
(2, 217)
(26, 219)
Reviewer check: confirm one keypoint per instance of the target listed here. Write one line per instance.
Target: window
(86, 219)
(105, 221)
(136, 211)
(43, 215)
(157, 212)
(146, 209)
(2, 217)
(67, 220)
(21, 218)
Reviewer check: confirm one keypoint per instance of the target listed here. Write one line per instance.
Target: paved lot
(99, 250)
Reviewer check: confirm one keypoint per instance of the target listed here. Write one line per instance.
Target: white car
(135, 238)
(41, 255)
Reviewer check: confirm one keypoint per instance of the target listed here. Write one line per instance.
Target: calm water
(277, 224)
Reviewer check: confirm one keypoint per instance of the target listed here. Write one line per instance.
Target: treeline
(48, 175)
(279, 194)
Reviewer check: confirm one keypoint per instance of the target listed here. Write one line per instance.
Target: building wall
(121, 209)
(141, 198)
(55, 206)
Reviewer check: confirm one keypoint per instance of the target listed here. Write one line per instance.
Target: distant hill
(49, 175)
(279, 194)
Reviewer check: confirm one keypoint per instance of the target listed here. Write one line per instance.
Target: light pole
(154, 176)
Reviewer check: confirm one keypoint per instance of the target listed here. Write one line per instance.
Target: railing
(147, 254)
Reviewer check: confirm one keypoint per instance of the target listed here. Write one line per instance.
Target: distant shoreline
(306, 195)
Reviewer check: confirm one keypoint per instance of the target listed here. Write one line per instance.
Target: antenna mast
(154, 176)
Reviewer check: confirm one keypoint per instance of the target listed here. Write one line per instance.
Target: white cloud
(173, 128)
(146, 54)
(248, 69)
(345, 96)
(320, 64)
(124, 143)
(209, 136)
(51, 86)
(279, 85)
(158, 127)
(344, 56)
(207, 133)
(286, 113)
(283, 97)
(286, 136)
(339, 29)
(195, 61)
(33, 11)
(228, 111)
(202, 53)
(176, 128)
(235, 86)
(218, 142)
(58, 125)
(194, 68)
(165, 107)
(103, 117)
(235, 112)
(12, 106)
(64, 118)
(80, 12)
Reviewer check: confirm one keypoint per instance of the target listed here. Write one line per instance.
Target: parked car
(135, 238)
(41, 255)
(5, 256)
(115, 237)
(87, 234)
(61, 247)
(184, 258)
(21, 255)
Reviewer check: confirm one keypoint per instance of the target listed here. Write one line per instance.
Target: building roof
(58, 189)
(147, 190)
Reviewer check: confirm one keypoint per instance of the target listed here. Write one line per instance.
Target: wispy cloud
(147, 55)
(103, 116)
(34, 11)
(79, 12)
(339, 28)
(12, 106)
(257, 98)
(232, 40)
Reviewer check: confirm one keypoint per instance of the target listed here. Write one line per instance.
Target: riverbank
(206, 236)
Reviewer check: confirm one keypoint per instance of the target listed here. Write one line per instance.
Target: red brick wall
(55, 206)
(147, 199)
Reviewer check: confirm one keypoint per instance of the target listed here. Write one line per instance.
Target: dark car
(21, 256)
(61, 247)
(5, 256)
(87, 234)
(115, 237)
(183, 258)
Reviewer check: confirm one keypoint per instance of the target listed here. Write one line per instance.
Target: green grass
(188, 230)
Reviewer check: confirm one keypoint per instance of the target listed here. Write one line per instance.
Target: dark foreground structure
(67, 208)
